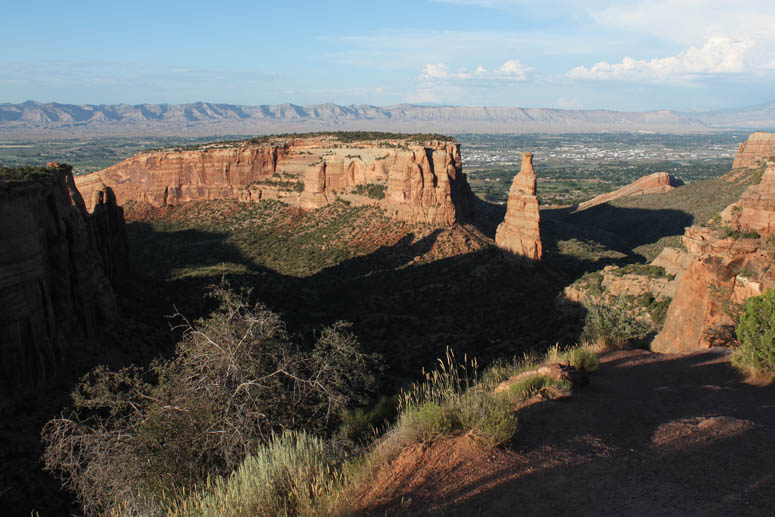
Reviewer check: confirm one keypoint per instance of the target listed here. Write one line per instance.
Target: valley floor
(651, 435)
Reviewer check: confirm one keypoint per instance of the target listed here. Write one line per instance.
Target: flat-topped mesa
(756, 151)
(172, 177)
(421, 177)
(519, 234)
(655, 183)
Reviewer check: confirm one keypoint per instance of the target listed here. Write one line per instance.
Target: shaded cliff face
(423, 179)
(723, 272)
(519, 233)
(656, 183)
(756, 151)
(53, 285)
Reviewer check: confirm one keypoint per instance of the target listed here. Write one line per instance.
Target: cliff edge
(55, 265)
(420, 176)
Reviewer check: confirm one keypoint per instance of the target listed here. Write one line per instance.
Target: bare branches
(236, 379)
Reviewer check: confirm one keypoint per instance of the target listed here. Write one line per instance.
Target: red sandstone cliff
(519, 233)
(424, 180)
(723, 272)
(53, 283)
(652, 184)
(755, 152)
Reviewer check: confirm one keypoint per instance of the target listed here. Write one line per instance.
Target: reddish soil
(651, 435)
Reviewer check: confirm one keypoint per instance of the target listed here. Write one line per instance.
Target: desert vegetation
(236, 382)
(756, 333)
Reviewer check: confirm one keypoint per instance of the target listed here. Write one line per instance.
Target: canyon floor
(650, 435)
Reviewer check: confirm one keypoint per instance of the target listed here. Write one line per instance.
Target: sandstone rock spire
(519, 234)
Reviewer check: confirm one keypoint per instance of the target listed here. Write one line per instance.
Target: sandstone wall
(652, 184)
(722, 272)
(424, 182)
(53, 283)
(173, 177)
(519, 234)
(755, 151)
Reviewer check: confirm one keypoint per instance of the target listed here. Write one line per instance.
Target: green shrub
(756, 333)
(236, 378)
(489, 418)
(533, 385)
(290, 475)
(359, 425)
(612, 324)
(450, 399)
(580, 357)
(371, 190)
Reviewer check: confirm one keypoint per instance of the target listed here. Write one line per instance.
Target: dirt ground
(651, 435)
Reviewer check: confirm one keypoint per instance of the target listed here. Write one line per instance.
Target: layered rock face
(723, 271)
(423, 180)
(652, 184)
(519, 234)
(173, 177)
(54, 289)
(756, 209)
(756, 151)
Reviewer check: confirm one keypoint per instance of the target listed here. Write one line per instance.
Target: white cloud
(718, 56)
(513, 68)
(434, 71)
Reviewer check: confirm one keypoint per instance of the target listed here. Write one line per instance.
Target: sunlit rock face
(724, 271)
(519, 234)
(755, 151)
(423, 180)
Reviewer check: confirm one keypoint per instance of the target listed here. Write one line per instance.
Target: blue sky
(624, 55)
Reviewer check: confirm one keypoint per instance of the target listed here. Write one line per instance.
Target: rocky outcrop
(53, 286)
(723, 272)
(756, 151)
(423, 179)
(726, 268)
(652, 184)
(519, 234)
(756, 209)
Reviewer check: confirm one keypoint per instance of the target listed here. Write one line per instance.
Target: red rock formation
(723, 271)
(424, 182)
(756, 209)
(53, 287)
(519, 233)
(652, 184)
(755, 151)
(173, 177)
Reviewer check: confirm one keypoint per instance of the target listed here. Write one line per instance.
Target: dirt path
(651, 435)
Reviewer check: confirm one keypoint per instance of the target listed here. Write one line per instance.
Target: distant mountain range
(204, 119)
